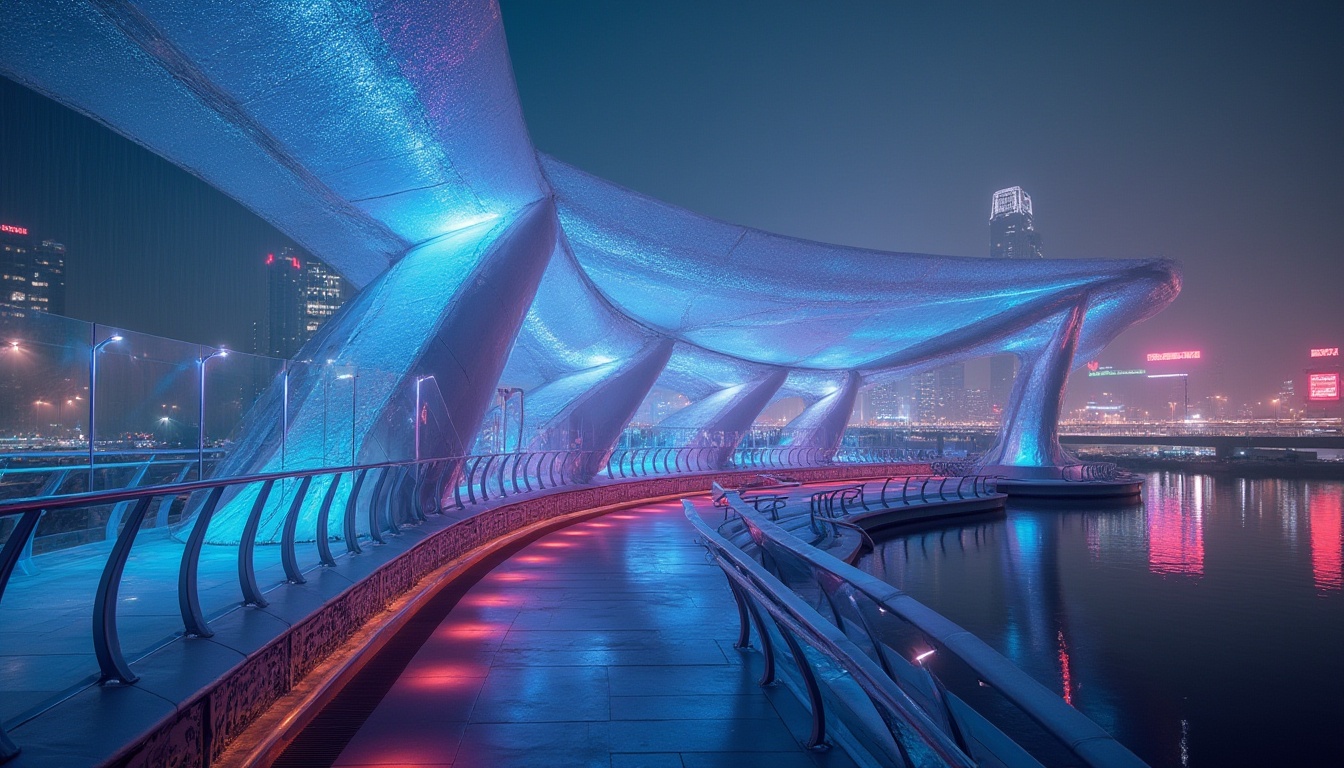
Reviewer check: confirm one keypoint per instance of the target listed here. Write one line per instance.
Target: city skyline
(1206, 137)
(1253, 335)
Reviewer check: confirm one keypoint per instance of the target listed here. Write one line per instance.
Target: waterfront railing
(987, 707)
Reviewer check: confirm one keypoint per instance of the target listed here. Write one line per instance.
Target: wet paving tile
(606, 643)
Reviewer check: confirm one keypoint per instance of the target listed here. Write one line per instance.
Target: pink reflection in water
(1065, 669)
(1175, 536)
(1327, 562)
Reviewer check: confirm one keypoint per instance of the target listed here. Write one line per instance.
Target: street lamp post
(354, 396)
(284, 416)
(505, 395)
(37, 416)
(200, 432)
(93, 392)
(418, 404)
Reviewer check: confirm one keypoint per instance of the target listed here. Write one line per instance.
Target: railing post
(188, 595)
(288, 559)
(767, 643)
(817, 740)
(247, 575)
(471, 480)
(550, 468)
(106, 643)
(18, 540)
(743, 617)
(485, 477)
(396, 494)
(351, 507)
(375, 525)
(321, 534)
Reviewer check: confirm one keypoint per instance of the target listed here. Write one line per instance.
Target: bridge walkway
(607, 643)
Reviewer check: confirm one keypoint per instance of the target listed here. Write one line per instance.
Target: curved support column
(728, 413)
(822, 424)
(588, 410)
(447, 312)
(1028, 445)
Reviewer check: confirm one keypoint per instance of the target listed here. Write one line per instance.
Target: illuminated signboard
(1325, 352)
(13, 230)
(1157, 357)
(1109, 371)
(1323, 386)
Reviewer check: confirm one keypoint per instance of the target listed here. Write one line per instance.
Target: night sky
(1212, 136)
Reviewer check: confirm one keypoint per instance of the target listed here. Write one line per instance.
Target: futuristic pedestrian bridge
(387, 139)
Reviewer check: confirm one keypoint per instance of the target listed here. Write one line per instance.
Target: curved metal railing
(830, 506)
(989, 708)
(830, 666)
(379, 499)
(1096, 471)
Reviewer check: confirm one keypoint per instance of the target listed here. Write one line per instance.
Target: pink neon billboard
(1189, 354)
(1323, 386)
(1325, 352)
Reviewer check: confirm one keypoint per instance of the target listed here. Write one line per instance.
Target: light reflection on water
(1208, 622)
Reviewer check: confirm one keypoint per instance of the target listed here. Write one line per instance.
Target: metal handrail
(1085, 739)
(389, 494)
(917, 739)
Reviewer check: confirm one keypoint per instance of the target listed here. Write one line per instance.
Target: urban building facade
(32, 273)
(1012, 229)
(302, 294)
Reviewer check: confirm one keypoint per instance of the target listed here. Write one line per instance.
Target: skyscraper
(284, 316)
(302, 297)
(951, 392)
(323, 293)
(1012, 233)
(1002, 370)
(32, 273)
(925, 409)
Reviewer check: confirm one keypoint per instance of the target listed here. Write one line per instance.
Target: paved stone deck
(608, 643)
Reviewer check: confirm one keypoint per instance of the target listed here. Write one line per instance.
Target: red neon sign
(1157, 357)
(1325, 352)
(13, 230)
(1323, 387)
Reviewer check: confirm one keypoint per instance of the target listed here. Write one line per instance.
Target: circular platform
(1041, 488)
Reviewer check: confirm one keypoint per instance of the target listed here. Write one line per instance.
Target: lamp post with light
(354, 398)
(200, 432)
(37, 415)
(505, 395)
(93, 393)
(419, 403)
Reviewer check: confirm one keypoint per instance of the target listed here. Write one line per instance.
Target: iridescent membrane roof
(368, 130)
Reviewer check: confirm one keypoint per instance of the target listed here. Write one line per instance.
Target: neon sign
(1325, 352)
(1322, 387)
(1108, 371)
(13, 230)
(1157, 357)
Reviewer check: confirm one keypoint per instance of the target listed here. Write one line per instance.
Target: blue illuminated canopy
(386, 137)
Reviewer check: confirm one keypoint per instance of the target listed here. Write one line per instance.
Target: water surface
(1204, 627)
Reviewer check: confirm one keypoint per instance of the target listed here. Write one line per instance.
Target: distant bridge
(1223, 442)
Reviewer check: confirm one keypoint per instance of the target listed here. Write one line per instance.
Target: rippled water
(1204, 627)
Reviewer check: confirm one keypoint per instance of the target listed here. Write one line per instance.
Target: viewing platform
(609, 642)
